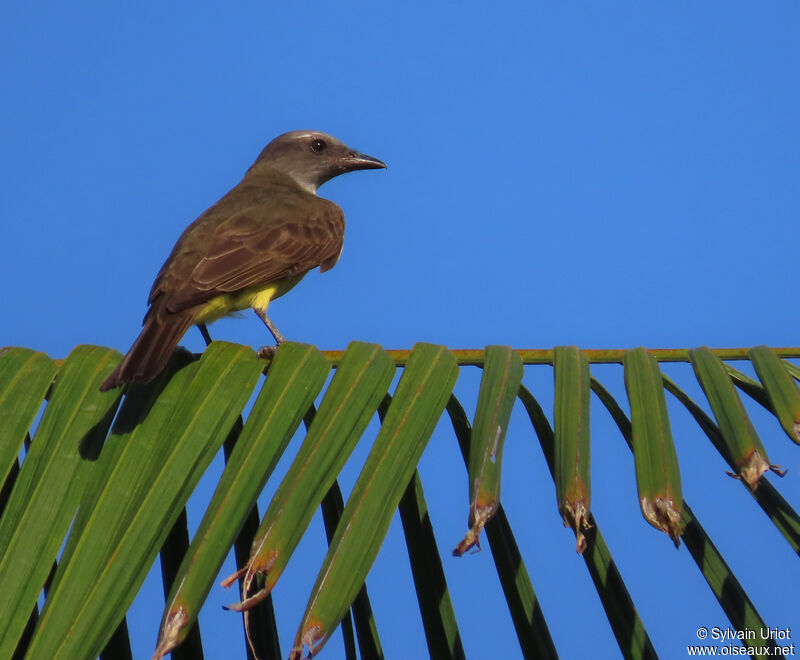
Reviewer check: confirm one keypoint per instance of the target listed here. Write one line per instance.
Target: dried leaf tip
(663, 514)
(168, 636)
(754, 468)
(247, 603)
(477, 522)
(576, 516)
(307, 636)
(228, 581)
(255, 573)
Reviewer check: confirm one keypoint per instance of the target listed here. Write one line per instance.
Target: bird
(256, 243)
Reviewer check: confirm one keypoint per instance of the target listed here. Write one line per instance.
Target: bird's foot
(267, 352)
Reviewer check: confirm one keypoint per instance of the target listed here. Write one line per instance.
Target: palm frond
(108, 476)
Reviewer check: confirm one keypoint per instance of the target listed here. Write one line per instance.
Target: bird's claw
(267, 352)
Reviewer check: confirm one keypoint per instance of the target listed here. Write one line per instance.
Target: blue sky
(607, 175)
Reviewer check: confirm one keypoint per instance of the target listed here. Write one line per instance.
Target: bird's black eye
(318, 146)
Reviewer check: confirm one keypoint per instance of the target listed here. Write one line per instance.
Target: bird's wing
(247, 251)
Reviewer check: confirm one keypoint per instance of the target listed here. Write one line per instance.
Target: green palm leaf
(115, 492)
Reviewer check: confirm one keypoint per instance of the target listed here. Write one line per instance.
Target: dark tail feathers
(150, 352)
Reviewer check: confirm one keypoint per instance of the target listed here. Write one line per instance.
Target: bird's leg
(203, 328)
(262, 314)
(269, 351)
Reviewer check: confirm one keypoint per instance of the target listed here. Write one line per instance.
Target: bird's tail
(150, 352)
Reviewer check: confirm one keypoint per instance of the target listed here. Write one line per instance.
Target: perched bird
(252, 246)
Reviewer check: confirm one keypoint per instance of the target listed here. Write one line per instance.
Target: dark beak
(358, 161)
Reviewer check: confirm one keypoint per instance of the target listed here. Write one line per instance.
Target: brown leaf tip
(248, 603)
(662, 513)
(753, 468)
(307, 636)
(471, 540)
(478, 518)
(576, 516)
(168, 636)
(228, 581)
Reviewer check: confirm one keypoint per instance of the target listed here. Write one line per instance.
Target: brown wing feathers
(244, 251)
(237, 261)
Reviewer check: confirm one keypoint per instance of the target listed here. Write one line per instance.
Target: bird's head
(311, 158)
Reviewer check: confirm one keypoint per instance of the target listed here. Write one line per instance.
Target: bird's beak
(359, 161)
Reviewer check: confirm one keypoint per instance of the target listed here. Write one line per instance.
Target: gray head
(311, 158)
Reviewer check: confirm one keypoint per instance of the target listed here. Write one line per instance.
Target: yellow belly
(252, 297)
